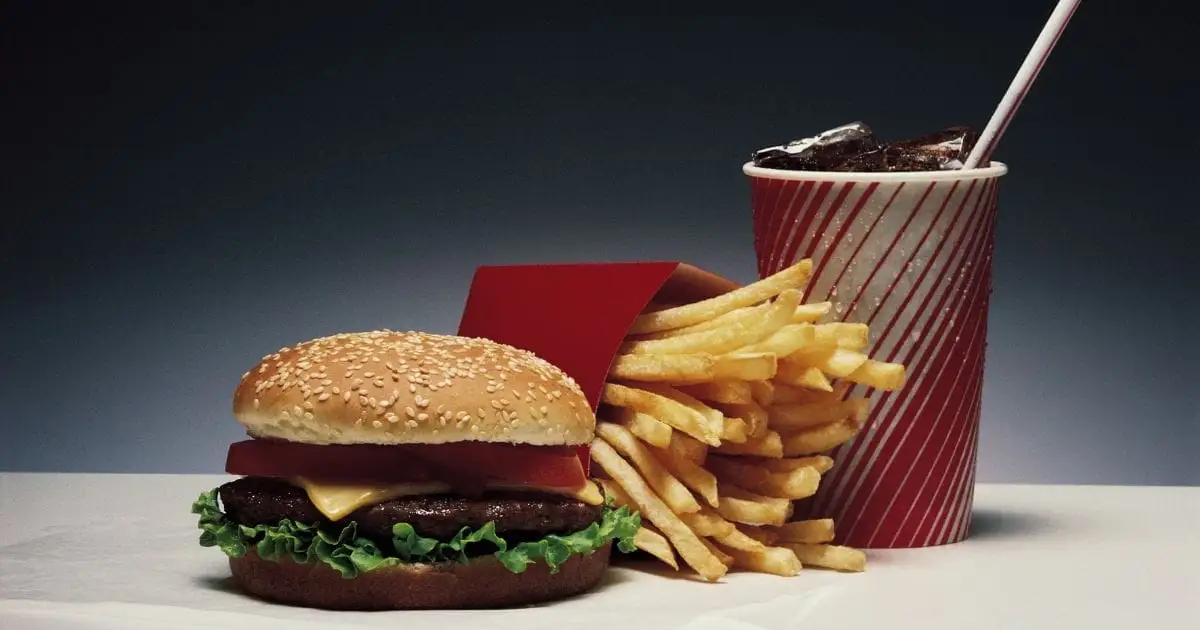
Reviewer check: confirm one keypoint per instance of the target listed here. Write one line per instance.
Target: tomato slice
(458, 462)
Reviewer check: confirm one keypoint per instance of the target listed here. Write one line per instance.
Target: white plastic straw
(1019, 87)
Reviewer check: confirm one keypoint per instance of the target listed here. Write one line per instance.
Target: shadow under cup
(910, 255)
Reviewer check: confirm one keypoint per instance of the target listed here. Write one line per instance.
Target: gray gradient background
(186, 189)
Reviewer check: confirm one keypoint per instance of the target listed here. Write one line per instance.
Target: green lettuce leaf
(350, 555)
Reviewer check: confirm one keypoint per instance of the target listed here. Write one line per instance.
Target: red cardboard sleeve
(576, 315)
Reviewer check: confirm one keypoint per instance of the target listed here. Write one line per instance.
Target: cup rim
(995, 169)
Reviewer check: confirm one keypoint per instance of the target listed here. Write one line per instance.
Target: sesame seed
(422, 417)
(327, 381)
(412, 389)
(369, 374)
(345, 396)
(337, 390)
(377, 424)
(378, 383)
(412, 424)
(323, 397)
(308, 404)
(318, 390)
(308, 415)
(356, 382)
(496, 404)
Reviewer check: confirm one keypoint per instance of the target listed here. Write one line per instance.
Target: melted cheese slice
(336, 501)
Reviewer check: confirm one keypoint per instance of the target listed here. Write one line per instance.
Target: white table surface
(120, 551)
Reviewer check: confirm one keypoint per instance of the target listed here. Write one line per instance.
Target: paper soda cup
(910, 255)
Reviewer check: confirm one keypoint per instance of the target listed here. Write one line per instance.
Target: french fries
(830, 557)
(811, 532)
(719, 414)
(649, 540)
(640, 496)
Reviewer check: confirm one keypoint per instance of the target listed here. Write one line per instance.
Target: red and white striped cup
(910, 255)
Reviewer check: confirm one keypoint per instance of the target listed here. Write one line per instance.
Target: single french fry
(843, 335)
(690, 448)
(762, 392)
(877, 374)
(809, 377)
(651, 430)
(812, 532)
(808, 313)
(723, 391)
(769, 445)
(671, 490)
(676, 414)
(695, 477)
(691, 548)
(819, 439)
(614, 491)
(786, 418)
(741, 506)
(819, 463)
(830, 556)
(706, 522)
(770, 317)
(701, 367)
(773, 560)
(800, 483)
(790, 278)
(734, 430)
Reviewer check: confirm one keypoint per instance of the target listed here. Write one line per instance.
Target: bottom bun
(481, 583)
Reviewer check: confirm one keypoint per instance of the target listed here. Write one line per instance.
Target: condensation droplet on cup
(878, 300)
(915, 336)
(833, 292)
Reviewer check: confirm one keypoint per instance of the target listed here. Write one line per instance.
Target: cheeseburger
(390, 470)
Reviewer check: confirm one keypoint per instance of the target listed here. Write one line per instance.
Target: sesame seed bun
(386, 387)
(481, 583)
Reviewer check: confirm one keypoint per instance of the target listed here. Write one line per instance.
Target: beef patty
(264, 501)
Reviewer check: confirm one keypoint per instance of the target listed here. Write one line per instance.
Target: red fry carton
(576, 315)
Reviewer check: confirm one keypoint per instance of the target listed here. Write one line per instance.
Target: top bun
(386, 387)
